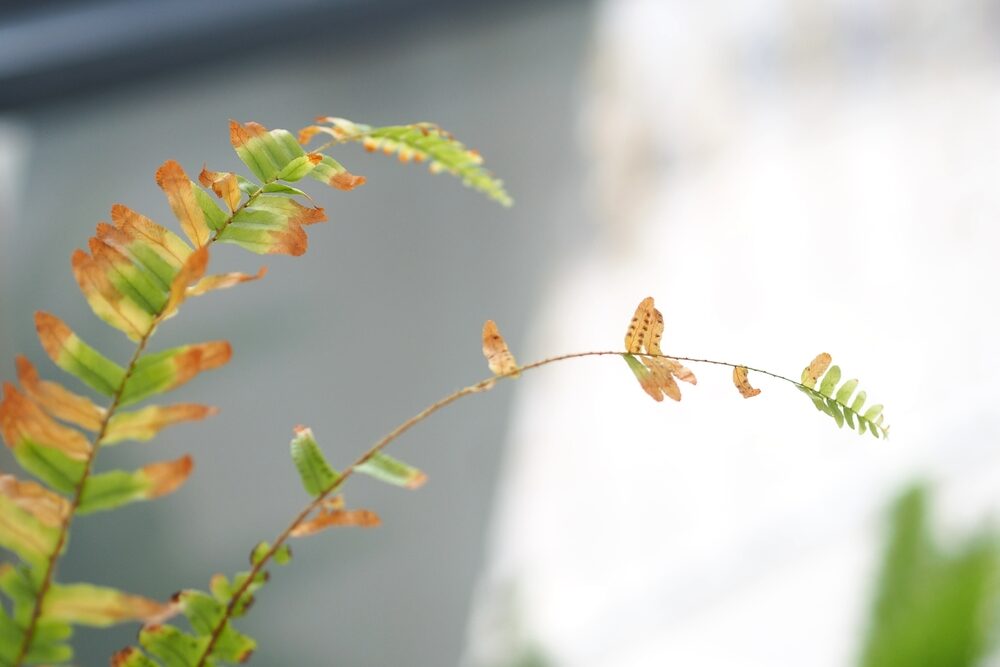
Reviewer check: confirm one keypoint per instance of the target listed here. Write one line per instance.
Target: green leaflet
(112, 489)
(116, 488)
(171, 645)
(24, 534)
(836, 402)
(272, 224)
(298, 168)
(49, 465)
(282, 189)
(247, 186)
(265, 153)
(204, 613)
(169, 369)
(282, 555)
(392, 471)
(77, 358)
(223, 590)
(637, 367)
(845, 392)
(316, 474)
(215, 217)
(19, 584)
(45, 650)
(98, 606)
(47, 641)
(830, 381)
(11, 637)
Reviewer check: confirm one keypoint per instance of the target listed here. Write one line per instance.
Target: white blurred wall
(784, 178)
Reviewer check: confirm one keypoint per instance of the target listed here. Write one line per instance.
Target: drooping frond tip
(656, 373)
(840, 402)
(416, 142)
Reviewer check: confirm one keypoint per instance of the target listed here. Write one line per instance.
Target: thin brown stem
(341, 140)
(95, 446)
(386, 440)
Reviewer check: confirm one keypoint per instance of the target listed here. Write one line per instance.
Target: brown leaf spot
(638, 329)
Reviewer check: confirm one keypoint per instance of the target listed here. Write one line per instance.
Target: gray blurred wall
(379, 319)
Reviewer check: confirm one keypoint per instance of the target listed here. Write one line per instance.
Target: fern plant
(136, 275)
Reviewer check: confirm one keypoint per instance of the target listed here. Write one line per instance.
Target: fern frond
(656, 373)
(840, 402)
(135, 274)
(418, 142)
(208, 636)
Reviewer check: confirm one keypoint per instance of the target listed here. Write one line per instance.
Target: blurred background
(785, 177)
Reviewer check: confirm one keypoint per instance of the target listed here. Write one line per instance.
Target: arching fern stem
(347, 473)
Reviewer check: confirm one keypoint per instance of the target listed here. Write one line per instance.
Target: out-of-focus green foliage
(934, 607)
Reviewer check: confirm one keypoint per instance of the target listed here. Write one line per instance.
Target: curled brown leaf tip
(498, 356)
(122, 656)
(167, 476)
(238, 135)
(331, 518)
(52, 332)
(742, 383)
(815, 369)
(417, 480)
(345, 180)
